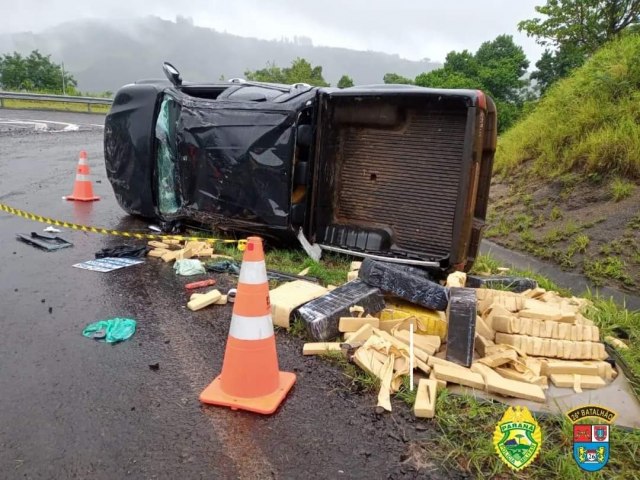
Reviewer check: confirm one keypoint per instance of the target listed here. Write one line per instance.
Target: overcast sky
(413, 29)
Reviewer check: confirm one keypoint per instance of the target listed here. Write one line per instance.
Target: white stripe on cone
(83, 161)
(251, 328)
(82, 178)
(253, 273)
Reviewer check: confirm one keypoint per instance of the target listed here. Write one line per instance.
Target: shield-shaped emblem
(591, 446)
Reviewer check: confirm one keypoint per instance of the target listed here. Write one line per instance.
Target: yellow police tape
(107, 231)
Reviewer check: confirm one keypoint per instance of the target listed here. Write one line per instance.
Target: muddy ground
(71, 407)
(574, 222)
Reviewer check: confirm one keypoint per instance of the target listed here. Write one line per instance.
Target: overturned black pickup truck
(391, 171)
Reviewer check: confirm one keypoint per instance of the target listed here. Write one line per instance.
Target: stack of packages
(501, 342)
(170, 250)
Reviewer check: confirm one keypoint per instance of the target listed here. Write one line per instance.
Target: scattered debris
(200, 300)
(107, 264)
(113, 330)
(201, 284)
(188, 268)
(154, 366)
(224, 266)
(52, 229)
(616, 343)
(286, 277)
(44, 242)
(231, 295)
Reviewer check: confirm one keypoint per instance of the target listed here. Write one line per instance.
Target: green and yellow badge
(517, 438)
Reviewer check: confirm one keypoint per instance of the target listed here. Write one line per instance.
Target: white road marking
(44, 125)
(37, 126)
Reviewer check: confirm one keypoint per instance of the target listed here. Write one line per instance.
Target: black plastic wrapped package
(409, 283)
(322, 315)
(461, 331)
(514, 284)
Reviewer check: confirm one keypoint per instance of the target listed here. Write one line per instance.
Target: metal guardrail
(56, 98)
(28, 101)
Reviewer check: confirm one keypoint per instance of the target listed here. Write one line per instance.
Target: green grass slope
(588, 122)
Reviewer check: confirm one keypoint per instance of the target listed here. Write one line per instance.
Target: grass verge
(586, 122)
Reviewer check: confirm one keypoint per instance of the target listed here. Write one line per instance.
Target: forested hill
(105, 55)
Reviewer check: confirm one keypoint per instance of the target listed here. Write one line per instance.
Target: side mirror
(172, 74)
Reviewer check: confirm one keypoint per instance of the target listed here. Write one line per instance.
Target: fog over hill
(104, 55)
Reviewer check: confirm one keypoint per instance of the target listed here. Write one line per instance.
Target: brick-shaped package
(461, 331)
(322, 315)
(409, 283)
(513, 284)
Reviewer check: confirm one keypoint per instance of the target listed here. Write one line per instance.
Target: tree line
(570, 30)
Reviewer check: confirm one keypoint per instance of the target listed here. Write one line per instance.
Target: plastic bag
(113, 330)
(189, 267)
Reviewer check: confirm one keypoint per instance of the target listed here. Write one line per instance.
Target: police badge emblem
(591, 441)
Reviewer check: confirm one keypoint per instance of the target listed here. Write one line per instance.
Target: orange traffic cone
(83, 188)
(250, 378)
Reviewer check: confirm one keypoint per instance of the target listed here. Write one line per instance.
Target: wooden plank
(425, 404)
(596, 368)
(352, 324)
(483, 329)
(155, 244)
(527, 377)
(419, 354)
(441, 383)
(564, 380)
(158, 252)
(482, 344)
(457, 279)
(459, 375)
(500, 358)
(422, 366)
(367, 361)
(564, 349)
(429, 344)
(510, 388)
(361, 335)
(321, 348)
(204, 300)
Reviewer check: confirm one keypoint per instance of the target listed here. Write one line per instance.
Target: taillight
(482, 100)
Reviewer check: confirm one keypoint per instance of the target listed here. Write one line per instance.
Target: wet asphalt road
(71, 407)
